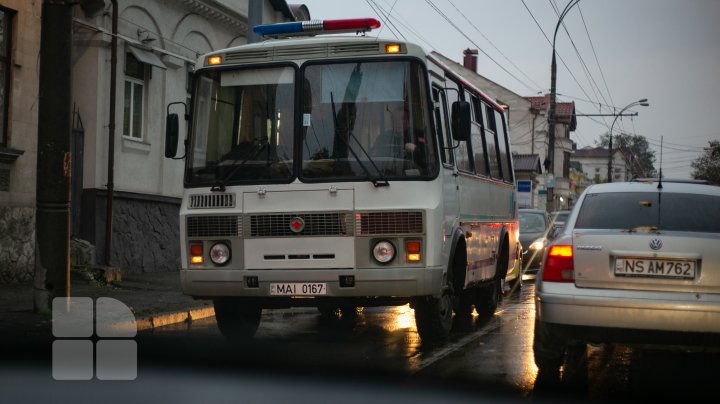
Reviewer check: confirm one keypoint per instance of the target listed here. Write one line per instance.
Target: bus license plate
(298, 289)
(651, 268)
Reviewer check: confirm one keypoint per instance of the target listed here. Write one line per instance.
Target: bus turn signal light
(196, 253)
(214, 60)
(412, 248)
(392, 48)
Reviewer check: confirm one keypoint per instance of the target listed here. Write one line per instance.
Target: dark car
(534, 225)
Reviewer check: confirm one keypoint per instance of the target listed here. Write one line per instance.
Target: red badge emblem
(297, 224)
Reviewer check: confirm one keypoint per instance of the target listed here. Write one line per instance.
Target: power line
(382, 18)
(558, 55)
(405, 24)
(493, 45)
(586, 70)
(592, 46)
(444, 16)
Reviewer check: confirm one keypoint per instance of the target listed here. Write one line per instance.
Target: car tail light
(559, 264)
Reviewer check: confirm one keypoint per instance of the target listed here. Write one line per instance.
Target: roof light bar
(317, 27)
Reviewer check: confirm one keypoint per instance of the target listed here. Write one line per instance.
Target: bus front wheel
(237, 318)
(433, 317)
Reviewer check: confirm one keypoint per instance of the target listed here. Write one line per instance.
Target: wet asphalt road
(493, 355)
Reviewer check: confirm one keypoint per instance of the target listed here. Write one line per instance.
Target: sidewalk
(154, 298)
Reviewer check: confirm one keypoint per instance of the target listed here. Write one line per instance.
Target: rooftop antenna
(661, 151)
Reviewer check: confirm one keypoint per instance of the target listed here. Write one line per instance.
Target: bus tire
(433, 317)
(487, 298)
(237, 319)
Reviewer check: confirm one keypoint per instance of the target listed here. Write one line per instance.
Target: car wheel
(433, 317)
(548, 349)
(487, 298)
(236, 318)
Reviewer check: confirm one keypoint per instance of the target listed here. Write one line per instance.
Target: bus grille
(316, 224)
(377, 223)
(214, 226)
(206, 201)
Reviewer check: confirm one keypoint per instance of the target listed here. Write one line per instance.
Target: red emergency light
(357, 25)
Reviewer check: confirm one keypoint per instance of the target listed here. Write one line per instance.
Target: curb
(175, 317)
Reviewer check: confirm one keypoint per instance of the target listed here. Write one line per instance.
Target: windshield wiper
(221, 183)
(378, 181)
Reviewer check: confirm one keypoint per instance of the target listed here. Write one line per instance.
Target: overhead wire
(382, 18)
(493, 45)
(449, 21)
(586, 70)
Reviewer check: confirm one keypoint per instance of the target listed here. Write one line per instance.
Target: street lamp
(644, 103)
(551, 110)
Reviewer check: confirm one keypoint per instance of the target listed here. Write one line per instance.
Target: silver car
(636, 263)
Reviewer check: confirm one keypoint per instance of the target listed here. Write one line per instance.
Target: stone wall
(17, 244)
(146, 235)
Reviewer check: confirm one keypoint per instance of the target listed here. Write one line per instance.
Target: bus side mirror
(461, 120)
(172, 130)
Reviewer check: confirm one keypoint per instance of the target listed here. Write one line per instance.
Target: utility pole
(551, 110)
(52, 226)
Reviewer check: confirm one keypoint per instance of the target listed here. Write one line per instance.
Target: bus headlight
(220, 254)
(384, 251)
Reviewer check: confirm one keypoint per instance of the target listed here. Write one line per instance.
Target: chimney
(470, 59)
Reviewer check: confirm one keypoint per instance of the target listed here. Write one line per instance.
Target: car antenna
(660, 186)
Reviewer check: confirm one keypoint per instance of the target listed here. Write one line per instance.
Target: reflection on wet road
(495, 353)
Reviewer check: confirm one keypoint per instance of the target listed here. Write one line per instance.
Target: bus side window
(491, 141)
(478, 138)
(444, 138)
(503, 147)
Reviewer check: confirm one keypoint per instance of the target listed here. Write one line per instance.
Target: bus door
(449, 172)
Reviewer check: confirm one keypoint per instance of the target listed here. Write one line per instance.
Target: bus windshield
(243, 126)
(366, 118)
(357, 121)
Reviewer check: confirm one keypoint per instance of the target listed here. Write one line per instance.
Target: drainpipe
(255, 17)
(111, 137)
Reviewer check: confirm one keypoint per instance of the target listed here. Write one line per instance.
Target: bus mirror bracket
(461, 120)
(172, 132)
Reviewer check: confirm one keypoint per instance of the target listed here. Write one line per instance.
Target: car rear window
(664, 211)
(532, 222)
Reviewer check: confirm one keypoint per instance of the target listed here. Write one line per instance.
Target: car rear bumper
(565, 304)
(384, 282)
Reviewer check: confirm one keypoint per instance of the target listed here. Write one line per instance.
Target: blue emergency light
(317, 27)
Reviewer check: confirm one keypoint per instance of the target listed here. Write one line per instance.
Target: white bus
(342, 172)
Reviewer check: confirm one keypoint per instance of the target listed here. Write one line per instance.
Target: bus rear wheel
(236, 318)
(433, 317)
(487, 298)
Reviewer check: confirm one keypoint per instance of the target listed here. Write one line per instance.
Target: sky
(667, 51)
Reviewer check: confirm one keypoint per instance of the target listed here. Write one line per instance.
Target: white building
(594, 161)
(159, 42)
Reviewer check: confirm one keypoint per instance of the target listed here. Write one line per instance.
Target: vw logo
(297, 224)
(656, 244)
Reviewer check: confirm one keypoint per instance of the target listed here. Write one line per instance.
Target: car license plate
(298, 289)
(652, 268)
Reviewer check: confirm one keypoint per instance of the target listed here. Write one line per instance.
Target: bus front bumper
(375, 282)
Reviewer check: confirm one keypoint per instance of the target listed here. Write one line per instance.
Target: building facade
(19, 84)
(594, 161)
(158, 45)
(558, 176)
